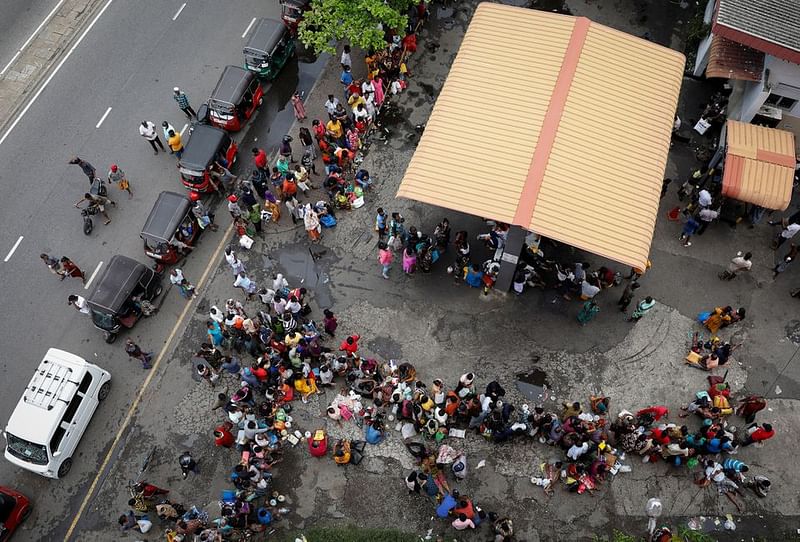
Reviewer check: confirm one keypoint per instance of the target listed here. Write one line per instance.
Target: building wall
(701, 62)
(783, 79)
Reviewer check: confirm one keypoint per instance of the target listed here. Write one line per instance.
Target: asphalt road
(128, 62)
(20, 19)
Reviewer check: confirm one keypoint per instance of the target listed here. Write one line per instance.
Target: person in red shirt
(660, 436)
(749, 406)
(465, 507)
(759, 434)
(260, 159)
(289, 188)
(319, 129)
(318, 444)
(350, 345)
(223, 436)
(657, 412)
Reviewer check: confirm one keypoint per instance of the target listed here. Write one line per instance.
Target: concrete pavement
(445, 330)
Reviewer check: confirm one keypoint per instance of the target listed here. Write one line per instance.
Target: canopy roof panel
(759, 165)
(577, 119)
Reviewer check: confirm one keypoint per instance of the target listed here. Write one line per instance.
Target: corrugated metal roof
(771, 26)
(731, 60)
(571, 121)
(759, 165)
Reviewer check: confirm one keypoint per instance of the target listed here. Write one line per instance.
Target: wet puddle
(533, 385)
(304, 267)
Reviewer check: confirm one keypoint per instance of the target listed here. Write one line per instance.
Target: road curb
(28, 71)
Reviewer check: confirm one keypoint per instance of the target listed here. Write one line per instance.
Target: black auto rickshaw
(269, 47)
(171, 229)
(206, 145)
(292, 12)
(117, 297)
(235, 98)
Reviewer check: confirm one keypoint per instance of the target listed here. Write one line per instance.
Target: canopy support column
(508, 261)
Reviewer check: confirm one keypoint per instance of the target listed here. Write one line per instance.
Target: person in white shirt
(185, 287)
(588, 290)
(345, 59)
(704, 198)
(706, 216)
(148, 131)
(79, 303)
(247, 285)
(462, 522)
(236, 264)
(331, 105)
(739, 263)
(788, 231)
(576, 451)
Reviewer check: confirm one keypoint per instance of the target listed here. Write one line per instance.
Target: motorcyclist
(97, 202)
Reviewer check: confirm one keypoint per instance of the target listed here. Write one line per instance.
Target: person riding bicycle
(97, 202)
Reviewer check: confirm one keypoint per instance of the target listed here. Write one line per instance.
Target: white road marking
(13, 249)
(89, 282)
(179, 11)
(30, 38)
(185, 126)
(99, 122)
(246, 30)
(54, 72)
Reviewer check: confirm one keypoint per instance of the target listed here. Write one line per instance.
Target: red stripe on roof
(552, 119)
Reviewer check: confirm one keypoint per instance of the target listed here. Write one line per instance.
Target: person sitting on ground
(341, 452)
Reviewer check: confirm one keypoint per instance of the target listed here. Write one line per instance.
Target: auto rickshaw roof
(232, 85)
(202, 147)
(116, 284)
(266, 35)
(167, 214)
(297, 4)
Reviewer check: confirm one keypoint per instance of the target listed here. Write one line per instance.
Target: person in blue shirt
(380, 222)
(447, 504)
(214, 332)
(474, 276)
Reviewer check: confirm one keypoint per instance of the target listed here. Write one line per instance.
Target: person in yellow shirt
(335, 130)
(175, 143)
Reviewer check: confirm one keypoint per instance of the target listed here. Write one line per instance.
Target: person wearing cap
(183, 102)
(233, 206)
(118, 177)
(148, 131)
(200, 212)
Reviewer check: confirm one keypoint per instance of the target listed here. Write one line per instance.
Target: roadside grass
(351, 533)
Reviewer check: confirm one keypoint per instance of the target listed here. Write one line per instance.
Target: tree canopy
(357, 21)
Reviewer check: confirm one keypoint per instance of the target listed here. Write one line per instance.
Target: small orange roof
(571, 121)
(759, 165)
(730, 60)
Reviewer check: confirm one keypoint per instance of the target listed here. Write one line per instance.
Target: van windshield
(27, 451)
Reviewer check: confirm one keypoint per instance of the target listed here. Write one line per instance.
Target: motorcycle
(87, 213)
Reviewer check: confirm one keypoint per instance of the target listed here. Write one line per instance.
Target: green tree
(357, 21)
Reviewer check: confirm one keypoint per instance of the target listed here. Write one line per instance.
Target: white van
(53, 413)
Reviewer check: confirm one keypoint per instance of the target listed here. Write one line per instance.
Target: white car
(53, 413)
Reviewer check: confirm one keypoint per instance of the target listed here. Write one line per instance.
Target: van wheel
(102, 393)
(260, 101)
(64, 468)
(158, 291)
(26, 514)
(111, 337)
